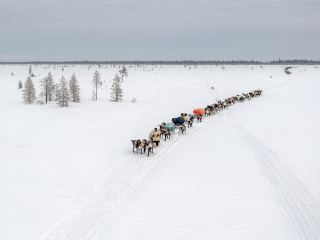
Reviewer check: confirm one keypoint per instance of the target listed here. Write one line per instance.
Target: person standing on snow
(156, 136)
(184, 115)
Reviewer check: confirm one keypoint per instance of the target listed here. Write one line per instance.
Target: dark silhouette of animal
(162, 125)
(182, 128)
(149, 147)
(135, 144)
(258, 92)
(241, 98)
(167, 134)
(215, 107)
(143, 145)
(247, 96)
(208, 112)
(229, 101)
(225, 105)
(199, 117)
(162, 132)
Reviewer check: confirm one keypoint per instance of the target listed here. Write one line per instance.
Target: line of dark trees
(186, 62)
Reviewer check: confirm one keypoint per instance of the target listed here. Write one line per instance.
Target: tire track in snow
(299, 208)
(105, 201)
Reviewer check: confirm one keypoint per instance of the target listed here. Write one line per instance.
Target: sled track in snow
(298, 207)
(216, 94)
(105, 201)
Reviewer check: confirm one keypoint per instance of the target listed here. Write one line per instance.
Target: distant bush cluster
(184, 62)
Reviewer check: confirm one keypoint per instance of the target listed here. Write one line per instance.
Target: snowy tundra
(249, 172)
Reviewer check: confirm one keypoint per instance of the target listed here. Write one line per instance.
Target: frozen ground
(250, 172)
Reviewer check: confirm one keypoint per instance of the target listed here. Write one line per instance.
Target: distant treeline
(186, 62)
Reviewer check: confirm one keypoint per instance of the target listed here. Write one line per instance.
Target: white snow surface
(249, 172)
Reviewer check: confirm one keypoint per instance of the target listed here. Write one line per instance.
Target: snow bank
(70, 172)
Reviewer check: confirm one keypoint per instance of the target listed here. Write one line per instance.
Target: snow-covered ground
(249, 172)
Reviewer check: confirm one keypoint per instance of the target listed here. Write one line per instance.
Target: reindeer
(135, 144)
(162, 125)
(229, 101)
(199, 117)
(225, 105)
(143, 145)
(167, 134)
(182, 128)
(220, 105)
(252, 94)
(247, 96)
(216, 107)
(208, 112)
(149, 146)
(258, 92)
(161, 129)
(162, 132)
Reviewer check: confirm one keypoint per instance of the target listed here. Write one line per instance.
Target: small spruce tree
(50, 87)
(29, 93)
(41, 97)
(96, 82)
(117, 94)
(74, 88)
(93, 95)
(44, 89)
(56, 90)
(123, 72)
(20, 84)
(63, 95)
(47, 87)
(30, 70)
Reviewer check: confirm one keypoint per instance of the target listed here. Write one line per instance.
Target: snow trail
(215, 95)
(299, 208)
(106, 200)
(287, 80)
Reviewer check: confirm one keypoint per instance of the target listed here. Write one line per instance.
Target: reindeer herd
(147, 145)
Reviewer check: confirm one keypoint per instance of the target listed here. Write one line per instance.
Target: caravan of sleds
(178, 125)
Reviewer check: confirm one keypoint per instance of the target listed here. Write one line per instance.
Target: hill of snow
(249, 172)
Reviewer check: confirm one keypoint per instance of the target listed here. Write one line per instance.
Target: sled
(178, 121)
(169, 126)
(199, 111)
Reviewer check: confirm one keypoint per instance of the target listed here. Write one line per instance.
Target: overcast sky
(67, 30)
